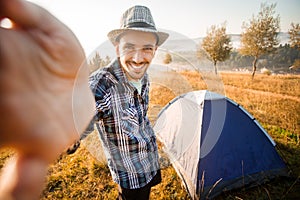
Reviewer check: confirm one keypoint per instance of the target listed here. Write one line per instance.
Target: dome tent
(215, 145)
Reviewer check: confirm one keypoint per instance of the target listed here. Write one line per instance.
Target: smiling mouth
(137, 66)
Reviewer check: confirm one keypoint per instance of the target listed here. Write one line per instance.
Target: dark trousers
(140, 193)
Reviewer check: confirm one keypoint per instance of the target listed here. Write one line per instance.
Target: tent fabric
(216, 145)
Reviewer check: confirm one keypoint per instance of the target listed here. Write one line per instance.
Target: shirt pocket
(130, 122)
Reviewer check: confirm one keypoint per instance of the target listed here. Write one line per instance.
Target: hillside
(273, 100)
(268, 98)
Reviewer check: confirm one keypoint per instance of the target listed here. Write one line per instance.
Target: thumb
(23, 177)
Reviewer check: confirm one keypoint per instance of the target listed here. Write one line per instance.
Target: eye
(148, 49)
(128, 48)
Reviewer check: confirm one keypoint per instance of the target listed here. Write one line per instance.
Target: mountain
(183, 43)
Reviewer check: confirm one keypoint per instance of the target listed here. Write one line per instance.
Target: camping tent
(215, 145)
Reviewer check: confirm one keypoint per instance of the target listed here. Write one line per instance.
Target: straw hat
(137, 18)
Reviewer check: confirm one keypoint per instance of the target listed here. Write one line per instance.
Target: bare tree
(217, 44)
(259, 36)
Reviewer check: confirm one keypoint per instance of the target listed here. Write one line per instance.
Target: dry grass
(81, 176)
(273, 100)
(276, 84)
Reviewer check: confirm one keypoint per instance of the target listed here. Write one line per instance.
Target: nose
(138, 56)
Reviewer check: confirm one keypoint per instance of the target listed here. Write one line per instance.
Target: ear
(155, 49)
(117, 47)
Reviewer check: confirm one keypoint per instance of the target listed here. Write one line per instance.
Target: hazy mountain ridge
(191, 44)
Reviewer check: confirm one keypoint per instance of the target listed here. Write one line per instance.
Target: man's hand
(45, 98)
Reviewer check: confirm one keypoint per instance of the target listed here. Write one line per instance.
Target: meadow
(274, 100)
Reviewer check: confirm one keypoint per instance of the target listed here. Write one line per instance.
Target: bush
(167, 59)
(265, 71)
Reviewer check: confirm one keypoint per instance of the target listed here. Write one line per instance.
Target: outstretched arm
(45, 98)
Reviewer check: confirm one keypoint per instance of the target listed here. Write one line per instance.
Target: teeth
(136, 66)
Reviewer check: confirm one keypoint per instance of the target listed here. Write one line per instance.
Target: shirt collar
(119, 74)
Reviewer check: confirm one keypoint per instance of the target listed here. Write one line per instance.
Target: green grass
(288, 146)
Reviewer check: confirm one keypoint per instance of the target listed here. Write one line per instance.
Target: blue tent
(215, 145)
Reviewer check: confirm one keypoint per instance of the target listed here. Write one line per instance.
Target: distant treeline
(282, 58)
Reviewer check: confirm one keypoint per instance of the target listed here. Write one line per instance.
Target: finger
(21, 12)
(23, 177)
(26, 15)
(54, 38)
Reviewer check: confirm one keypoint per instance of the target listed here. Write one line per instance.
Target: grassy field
(273, 100)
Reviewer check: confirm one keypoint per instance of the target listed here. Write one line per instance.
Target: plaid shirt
(124, 128)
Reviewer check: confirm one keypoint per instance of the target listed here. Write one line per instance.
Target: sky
(91, 20)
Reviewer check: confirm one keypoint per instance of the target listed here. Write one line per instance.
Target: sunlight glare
(6, 23)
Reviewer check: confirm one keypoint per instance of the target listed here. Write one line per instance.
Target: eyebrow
(146, 45)
(149, 45)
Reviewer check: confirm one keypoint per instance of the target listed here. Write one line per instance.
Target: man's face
(136, 51)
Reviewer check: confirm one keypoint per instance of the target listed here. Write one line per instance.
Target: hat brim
(114, 34)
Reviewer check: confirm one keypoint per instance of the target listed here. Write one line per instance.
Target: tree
(260, 34)
(97, 62)
(168, 58)
(294, 33)
(278, 60)
(217, 44)
(296, 65)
